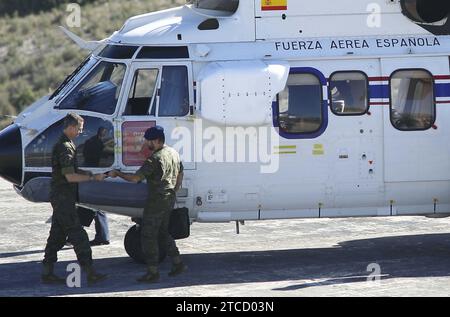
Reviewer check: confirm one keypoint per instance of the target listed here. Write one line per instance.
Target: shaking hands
(113, 174)
(102, 177)
(99, 177)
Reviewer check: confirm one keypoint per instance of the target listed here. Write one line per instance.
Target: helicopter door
(415, 125)
(157, 95)
(175, 109)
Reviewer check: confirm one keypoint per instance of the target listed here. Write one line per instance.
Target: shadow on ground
(21, 253)
(401, 256)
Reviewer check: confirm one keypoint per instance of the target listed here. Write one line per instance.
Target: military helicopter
(281, 109)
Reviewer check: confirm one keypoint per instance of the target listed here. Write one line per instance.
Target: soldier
(65, 222)
(164, 174)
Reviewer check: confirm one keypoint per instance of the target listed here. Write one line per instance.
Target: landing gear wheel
(133, 245)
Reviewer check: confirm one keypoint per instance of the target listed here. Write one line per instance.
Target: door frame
(121, 119)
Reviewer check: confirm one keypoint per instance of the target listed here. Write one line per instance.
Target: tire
(133, 246)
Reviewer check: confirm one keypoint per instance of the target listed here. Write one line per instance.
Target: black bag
(180, 225)
(86, 216)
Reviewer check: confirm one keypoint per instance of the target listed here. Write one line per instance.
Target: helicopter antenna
(85, 45)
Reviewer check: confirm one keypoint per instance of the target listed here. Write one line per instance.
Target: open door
(157, 95)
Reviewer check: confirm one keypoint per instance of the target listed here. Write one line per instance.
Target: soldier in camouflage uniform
(164, 174)
(63, 196)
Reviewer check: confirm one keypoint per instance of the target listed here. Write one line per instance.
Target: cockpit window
(230, 6)
(79, 72)
(99, 91)
(142, 92)
(174, 92)
(118, 52)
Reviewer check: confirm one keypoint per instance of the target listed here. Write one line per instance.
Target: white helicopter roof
(252, 20)
(180, 26)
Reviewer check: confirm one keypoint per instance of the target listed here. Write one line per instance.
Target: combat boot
(152, 275)
(93, 277)
(48, 277)
(178, 267)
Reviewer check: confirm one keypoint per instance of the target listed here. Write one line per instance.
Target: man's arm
(146, 170)
(80, 178)
(133, 178)
(82, 172)
(180, 177)
(179, 181)
(66, 157)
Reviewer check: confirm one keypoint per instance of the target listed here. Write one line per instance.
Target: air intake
(426, 11)
(432, 15)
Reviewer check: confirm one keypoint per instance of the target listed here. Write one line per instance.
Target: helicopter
(280, 109)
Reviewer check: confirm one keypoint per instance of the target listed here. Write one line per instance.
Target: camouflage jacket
(64, 162)
(161, 172)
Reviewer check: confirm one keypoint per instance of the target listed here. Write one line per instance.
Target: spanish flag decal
(273, 5)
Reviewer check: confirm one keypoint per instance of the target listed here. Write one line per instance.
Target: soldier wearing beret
(164, 174)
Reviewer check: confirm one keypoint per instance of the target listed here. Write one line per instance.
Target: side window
(95, 146)
(412, 100)
(99, 91)
(349, 93)
(39, 152)
(300, 104)
(174, 92)
(142, 92)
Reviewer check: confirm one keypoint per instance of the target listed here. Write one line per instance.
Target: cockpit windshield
(99, 91)
(70, 80)
(230, 6)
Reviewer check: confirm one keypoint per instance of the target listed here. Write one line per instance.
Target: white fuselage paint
(358, 166)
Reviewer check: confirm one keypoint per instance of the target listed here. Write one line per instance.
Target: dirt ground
(314, 257)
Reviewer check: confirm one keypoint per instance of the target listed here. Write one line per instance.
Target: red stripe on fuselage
(274, 8)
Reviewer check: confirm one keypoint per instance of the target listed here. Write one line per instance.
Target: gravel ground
(314, 257)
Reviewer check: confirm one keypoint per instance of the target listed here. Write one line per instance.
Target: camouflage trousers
(66, 227)
(155, 230)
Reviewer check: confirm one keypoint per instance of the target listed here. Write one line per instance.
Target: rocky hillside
(35, 56)
(25, 7)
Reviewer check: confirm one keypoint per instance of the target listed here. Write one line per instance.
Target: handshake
(116, 173)
(102, 177)
(98, 177)
(113, 174)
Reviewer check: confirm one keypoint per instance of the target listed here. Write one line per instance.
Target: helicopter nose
(11, 154)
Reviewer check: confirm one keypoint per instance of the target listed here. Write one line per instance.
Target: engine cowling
(432, 15)
(426, 11)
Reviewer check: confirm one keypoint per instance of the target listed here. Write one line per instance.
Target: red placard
(133, 151)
